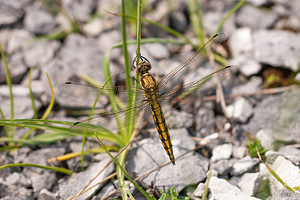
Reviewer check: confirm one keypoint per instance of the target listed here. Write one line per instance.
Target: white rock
(222, 152)
(249, 183)
(265, 137)
(240, 42)
(240, 110)
(221, 189)
(287, 171)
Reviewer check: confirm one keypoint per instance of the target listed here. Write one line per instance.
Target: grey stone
(40, 157)
(285, 194)
(46, 195)
(5, 36)
(9, 14)
(264, 114)
(254, 18)
(220, 189)
(287, 171)
(93, 28)
(280, 114)
(22, 102)
(46, 180)
(9, 192)
(37, 54)
(178, 21)
(222, 167)
(246, 164)
(211, 19)
(21, 154)
(251, 86)
(19, 39)
(16, 67)
(20, 90)
(241, 43)
(79, 10)
(239, 152)
(157, 50)
(22, 108)
(291, 153)
(258, 2)
(247, 66)
(198, 192)
(277, 48)
(265, 137)
(107, 190)
(240, 110)
(18, 179)
(179, 119)
(221, 152)
(271, 156)
(249, 183)
(110, 189)
(78, 56)
(149, 153)
(71, 186)
(205, 119)
(39, 21)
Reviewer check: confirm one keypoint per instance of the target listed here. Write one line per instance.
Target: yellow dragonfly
(163, 91)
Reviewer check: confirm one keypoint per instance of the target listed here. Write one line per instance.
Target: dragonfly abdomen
(162, 129)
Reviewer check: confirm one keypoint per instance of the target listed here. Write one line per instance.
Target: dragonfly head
(144, 66)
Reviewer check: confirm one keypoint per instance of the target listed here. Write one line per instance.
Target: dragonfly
(155, 93)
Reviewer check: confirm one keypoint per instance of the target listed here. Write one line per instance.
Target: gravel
(262, 36)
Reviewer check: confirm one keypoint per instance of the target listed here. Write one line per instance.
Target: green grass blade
(5, 127)
(232, 11)
(8, 81)
(196, 19)
(49, 108)
(31, 94)
(59, 130)
(56, 169)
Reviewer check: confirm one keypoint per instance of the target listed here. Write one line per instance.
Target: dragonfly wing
(181, 72)
(205, 82)
(88, 93)
(110, 120)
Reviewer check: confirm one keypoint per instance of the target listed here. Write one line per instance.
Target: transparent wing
(177, 75)
(204, 82)
(105, 119)
(86, 91)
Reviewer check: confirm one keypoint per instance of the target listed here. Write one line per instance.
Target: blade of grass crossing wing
(90, 116)
(49, 108)
(31, 94)
(32, 103)
(112, 96)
